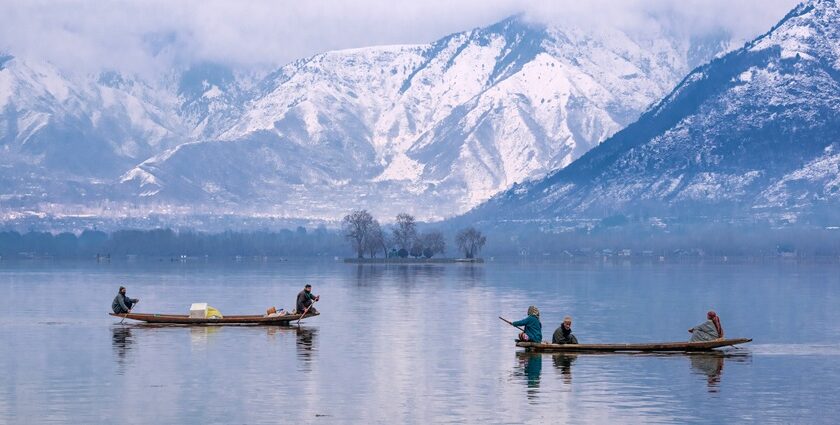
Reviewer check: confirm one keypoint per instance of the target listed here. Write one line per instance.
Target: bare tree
(405, 231)
(387, 242)
(470, 241)
(433, 243)
(357, 226)
(375, 240)
(416, 250)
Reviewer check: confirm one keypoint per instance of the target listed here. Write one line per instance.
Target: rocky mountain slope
(755, 133)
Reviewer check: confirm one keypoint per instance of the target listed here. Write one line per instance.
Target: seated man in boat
(122, 304)
(709, 330)
(305, 299)
(563, 334)
(533, 327)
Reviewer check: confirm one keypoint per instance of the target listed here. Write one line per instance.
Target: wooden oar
(511, 323)
(306, 310)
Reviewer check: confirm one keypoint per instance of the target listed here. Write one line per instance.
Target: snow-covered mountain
(59, 134)
(432, 129)
(754, 133)
(67, 138)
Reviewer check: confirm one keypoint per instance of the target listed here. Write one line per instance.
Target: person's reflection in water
(531, 364)
(306, 340)
(121, 341)
(563, 363)
(710, 365)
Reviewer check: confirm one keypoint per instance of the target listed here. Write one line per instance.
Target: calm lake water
(416, 344)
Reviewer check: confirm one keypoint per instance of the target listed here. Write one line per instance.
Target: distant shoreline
(412, 260)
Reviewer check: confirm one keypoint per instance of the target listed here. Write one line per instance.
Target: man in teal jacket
(533, 327)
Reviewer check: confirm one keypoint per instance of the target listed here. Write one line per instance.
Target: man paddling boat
(122, 304)
(532, 324)
(305, 299)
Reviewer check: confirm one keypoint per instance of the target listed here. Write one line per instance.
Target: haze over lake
(416, 343)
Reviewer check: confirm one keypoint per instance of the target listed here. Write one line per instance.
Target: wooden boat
(182, 319)
(544, 347)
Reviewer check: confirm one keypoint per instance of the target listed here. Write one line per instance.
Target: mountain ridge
(731, 136)
(432, 128)
(461, 118)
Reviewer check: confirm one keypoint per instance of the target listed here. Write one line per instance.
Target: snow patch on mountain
(818, 180)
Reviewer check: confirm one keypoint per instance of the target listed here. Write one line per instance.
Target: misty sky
(156, 35)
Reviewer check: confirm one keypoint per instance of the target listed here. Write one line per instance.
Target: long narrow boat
(544, 347)
(182, 319)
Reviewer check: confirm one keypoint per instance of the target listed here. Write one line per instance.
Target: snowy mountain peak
(807, 31)
(753, 133)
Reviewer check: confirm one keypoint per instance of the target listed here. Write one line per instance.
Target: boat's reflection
(124, 337)
(709, 365)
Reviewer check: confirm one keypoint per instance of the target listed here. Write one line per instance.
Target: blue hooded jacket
(533, 328)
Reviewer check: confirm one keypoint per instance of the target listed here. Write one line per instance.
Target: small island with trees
(403, 243)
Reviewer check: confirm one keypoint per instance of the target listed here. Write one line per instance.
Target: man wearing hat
(122, 304)
(305, 299)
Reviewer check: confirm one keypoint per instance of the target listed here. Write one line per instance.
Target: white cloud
(155, 35)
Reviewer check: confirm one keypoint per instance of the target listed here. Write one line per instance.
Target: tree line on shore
(513, 241)
(167, 242)
(368, 237)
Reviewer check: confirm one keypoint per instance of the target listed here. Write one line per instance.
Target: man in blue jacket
(533, 327)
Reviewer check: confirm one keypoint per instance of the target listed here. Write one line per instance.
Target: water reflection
(369, 274)
(530, 368)
(305, 343)
(471, 274)
(201, 335)
(710, 365)
(563, 363)
(121, 341)
(406, 275)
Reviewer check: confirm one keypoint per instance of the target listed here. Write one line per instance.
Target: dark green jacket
(533, 328)
(304, 300)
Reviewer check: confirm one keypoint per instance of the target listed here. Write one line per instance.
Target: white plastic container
(198, 311)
